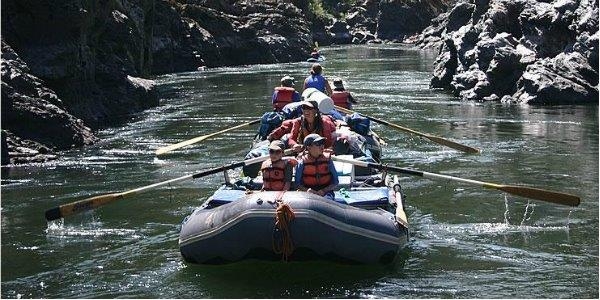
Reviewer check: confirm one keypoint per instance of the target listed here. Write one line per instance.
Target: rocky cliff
(71, 65)
(524, 51)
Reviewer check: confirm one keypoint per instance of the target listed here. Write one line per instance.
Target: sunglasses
(318, 143)
(306, 107)
(273, 151)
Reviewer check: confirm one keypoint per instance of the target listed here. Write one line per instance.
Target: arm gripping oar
(96, 201)
(433, 138)
(523, 191)
(169, 148)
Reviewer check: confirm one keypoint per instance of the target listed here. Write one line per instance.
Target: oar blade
(451, 144)
(80, 206)
(170, 148)
(433, 138)
(540, 194)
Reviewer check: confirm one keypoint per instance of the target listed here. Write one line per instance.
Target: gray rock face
(522, 51)
(34, 121)
(86, 59)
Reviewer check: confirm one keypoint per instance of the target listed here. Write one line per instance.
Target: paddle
(436, 139)
(96, 201)
(166, 149)
(523, 191)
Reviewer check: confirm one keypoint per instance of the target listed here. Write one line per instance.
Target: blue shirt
(334, 177)
(315, 81)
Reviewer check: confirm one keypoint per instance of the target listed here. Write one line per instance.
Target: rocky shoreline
(517, 51)
(70, 67)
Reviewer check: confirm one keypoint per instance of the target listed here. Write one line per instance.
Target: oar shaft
(96, 201)
(433, 138)
(169, 148)
(523, 191)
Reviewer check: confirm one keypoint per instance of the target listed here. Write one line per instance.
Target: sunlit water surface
(466, 242)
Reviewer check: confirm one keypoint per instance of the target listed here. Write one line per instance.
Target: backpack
(268, 122)
(358, 123)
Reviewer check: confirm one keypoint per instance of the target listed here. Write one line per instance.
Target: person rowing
(311, 121)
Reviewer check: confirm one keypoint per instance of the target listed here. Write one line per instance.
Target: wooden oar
(96, 201)
(166, 149)
(523, 191)
(433, 138)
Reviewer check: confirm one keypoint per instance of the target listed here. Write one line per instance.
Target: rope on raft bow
(282, 237)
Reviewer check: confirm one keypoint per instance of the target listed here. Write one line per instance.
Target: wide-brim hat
(312, 138)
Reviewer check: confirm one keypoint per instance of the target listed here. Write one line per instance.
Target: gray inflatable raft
(322, 229)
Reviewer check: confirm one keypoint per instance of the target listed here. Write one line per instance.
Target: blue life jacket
(315, 81)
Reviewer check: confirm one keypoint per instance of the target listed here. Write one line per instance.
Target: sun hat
(287, 81)
(337, 82)
(276, 145)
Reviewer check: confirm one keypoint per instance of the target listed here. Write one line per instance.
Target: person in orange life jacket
(277, 172)
(311, 121)
(315, 172)
(341, 97)
(279, 132)
(317, 81)
(285, 93)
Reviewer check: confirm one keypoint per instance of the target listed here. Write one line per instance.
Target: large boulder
(526, 51)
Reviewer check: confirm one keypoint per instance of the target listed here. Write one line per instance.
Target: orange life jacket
(273, 175)
(316, 171)
(340, 98)
(285, 95)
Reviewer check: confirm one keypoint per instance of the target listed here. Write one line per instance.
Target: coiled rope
(282, 237)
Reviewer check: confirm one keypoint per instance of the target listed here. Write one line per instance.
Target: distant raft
(319, 59)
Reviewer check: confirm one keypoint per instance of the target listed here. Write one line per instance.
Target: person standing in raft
(311, 121)
(315, 172)
(317, 81)
(341, 97)
(285, 94)
(276, 171)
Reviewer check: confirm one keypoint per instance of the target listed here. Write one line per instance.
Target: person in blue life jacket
(340, 96)
(317, 81)
(285, 94)
(315, 172)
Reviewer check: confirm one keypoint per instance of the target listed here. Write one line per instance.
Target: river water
(466, 241)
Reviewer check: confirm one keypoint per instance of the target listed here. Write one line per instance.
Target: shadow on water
(314, 279)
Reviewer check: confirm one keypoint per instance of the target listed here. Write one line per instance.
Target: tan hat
(312, 104)
(276, 145)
